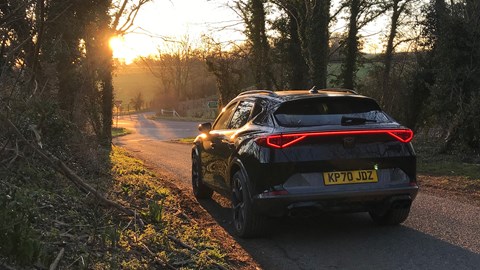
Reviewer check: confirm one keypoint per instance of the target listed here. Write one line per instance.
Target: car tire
(391, 216)
(247, 223)
(200, 190)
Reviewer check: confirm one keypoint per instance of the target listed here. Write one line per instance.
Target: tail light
(272, 193)
(280, 141)
(285, 140)
(403, 135)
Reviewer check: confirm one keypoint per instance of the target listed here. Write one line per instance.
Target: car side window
(222, 121)
(257, 109)
(260, 115)
(242, 114)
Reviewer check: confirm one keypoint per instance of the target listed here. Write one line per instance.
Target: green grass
(449, 166)
(184, 119)
(41, 212)
(116, 132)
(188, 140)
(160, 208)
(430, 161)
(131, 111)
(334, 69)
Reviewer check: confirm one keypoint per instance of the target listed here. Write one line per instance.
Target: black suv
(301, 152)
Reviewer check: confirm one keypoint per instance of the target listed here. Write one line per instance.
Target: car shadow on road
(345, 241)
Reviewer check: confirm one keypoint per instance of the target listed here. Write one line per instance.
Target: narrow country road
(440, 233)
(150, 142)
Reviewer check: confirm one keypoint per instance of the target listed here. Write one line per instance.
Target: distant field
(129, 82)
(335, 68)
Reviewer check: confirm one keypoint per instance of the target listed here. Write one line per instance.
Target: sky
(162, 20)
(175, 19)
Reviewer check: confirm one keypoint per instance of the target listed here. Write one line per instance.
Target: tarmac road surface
(441, 233)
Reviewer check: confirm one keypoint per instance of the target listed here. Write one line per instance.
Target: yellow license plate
(350, 177)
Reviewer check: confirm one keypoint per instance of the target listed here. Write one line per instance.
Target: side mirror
(205, 127)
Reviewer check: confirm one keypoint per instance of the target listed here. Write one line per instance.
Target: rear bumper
(358, 201)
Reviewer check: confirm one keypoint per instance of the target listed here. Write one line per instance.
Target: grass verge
(184, 119)
(166, 222)
(188, 140)
(457, 174)
(449, 167)
(116, 132)
(448, 173)
(431, 161)
(40, 217)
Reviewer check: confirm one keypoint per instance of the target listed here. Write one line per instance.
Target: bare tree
(229, 67)
(175, 66)
(398, 8)
(361, 12)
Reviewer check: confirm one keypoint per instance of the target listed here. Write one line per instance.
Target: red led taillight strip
(281, 141)
(285, 140)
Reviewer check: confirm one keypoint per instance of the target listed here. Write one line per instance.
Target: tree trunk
(319, 46)
(255, 20)
(66, 57)
(105, 71)
(389, 51)
(350, 65)
(440, 13)
(107, 95)
(298, 66)
(66, 86)
(312, 26)
(396, 12)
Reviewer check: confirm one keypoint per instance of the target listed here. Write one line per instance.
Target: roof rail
(271, 93)
(340, 90)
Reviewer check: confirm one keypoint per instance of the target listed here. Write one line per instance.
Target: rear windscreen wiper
(346, 121)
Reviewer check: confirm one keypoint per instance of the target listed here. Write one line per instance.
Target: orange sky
(163, 19)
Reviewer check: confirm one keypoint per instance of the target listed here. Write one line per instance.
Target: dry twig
(54, 265)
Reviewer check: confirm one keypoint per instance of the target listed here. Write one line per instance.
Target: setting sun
(178, 19)
(131, 46)
(115, 43)
(121, 50)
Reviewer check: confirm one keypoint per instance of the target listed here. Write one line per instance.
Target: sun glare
(121, 50)
(129, 47)
(115, 43)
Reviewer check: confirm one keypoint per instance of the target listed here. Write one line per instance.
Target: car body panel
(215, 154)
(297, 171)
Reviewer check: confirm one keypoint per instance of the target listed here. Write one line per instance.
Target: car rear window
(330, 111)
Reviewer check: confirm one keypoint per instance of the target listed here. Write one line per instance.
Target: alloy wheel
(238, 204)
(195, 174)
